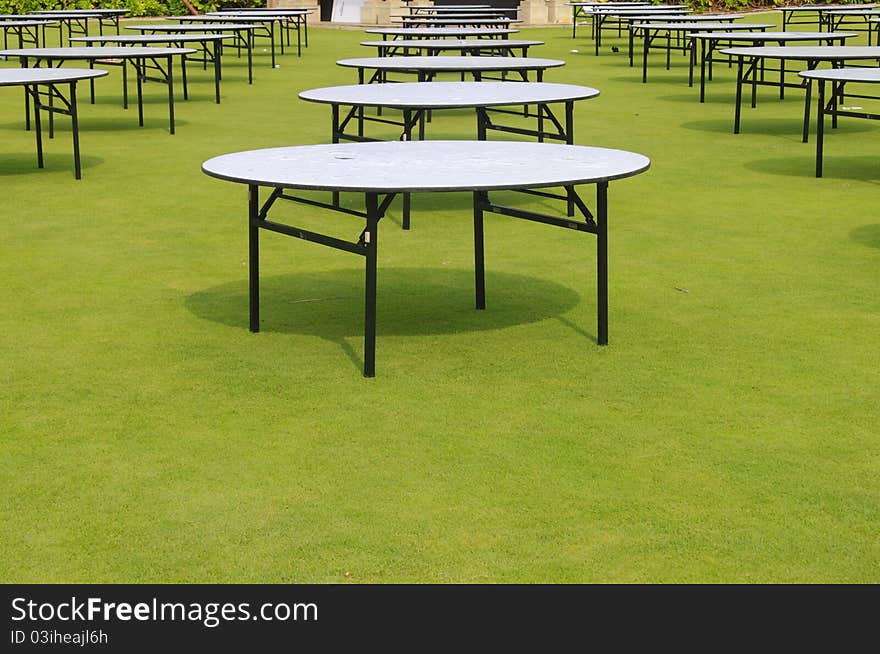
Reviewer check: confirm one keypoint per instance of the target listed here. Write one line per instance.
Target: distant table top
(440, 31)
(95, 53)
(19, 76)
(808, 53)
(470, 13)
(606, 4)
(451, 64)
(249, 17)
(864, 75)
(843, 11)
(648, 9)
(453, 44)
(151, 38)
(706, 27)
(822, 7)
(193, 27)
(447, 95)
(283, 13)
(680, 18)
(80, 12)
(444, 20)
(465, 9)
(27, 23)
(413, 166)
(773, 36)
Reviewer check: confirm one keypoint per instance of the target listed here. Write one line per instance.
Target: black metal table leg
(74, 121)
(808, 94)
(739, 85)
(702, 70)
(820, 127)
(479, 198)
(254, 257)
(140, 91)
(370, 241)
(170, 95)
(182, 76)
(38, 126)
(217, 51)
(602, 261)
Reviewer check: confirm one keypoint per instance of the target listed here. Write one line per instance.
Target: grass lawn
(728, 433)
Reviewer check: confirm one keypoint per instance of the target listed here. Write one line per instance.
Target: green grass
(729, 432)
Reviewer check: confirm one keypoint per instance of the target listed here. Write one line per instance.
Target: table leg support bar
(366, 246)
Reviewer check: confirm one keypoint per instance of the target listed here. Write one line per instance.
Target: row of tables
(378, 171)
(610, 15)
(48, 93)
(355, 162)
(762, 57)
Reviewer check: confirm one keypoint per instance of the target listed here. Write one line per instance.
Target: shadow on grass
(20, 163)
(786, 127)
(411, 302)
(862, 168)
(867, 235)
(694, 98)
(126, 121)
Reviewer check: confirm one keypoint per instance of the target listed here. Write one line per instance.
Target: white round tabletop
(27, 22)
(639, 11)
(240, 18)
(465, 9)
(451, 64)
(679, 18)
(80, 12)
(864, 75)
(706, 27)
(19, 76)
(453, 44)
(843, 11)
(413, 166)
(808, 53)
(446, 20)
(440, 31)
(95, 53)
(151, 38)
(822, 7)
(265, 13)
(774, 36)
(192, 27)
(73, 13)
(447, 95)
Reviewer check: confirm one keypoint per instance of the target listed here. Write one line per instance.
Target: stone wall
(294, 4)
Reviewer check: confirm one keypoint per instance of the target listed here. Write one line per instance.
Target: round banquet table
(382, 169)
(144, 60)
(750, 62)
(833, 105)
(496, 47)
(53, 79)
(426, 68)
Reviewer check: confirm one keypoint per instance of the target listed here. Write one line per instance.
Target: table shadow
(861, 168)
(410, 302)
(25, 163)
(751, 125)
(868, 235)
(694, 98)
(125, 121)
(787, 127)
